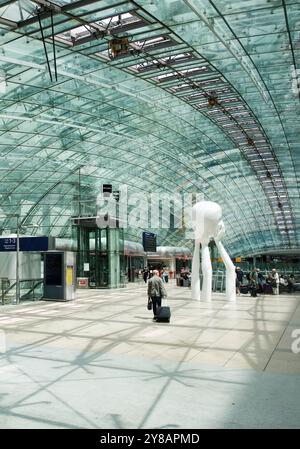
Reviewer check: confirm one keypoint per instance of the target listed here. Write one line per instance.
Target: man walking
(156, 291)
(145, 274)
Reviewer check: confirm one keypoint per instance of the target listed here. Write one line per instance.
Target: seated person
(283, 281)
(291, 282)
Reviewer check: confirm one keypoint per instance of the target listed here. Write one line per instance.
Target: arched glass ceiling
(202, 96)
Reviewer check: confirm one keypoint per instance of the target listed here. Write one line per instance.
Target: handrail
(39, 282)
(36, 282)
(8, 289)
(23, 280)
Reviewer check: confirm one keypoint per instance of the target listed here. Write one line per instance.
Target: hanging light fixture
(119, 46)
(212, 101)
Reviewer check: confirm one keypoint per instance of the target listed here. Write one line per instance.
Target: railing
(4, 284)
(218, 281)
(284, 272)
(30, 289)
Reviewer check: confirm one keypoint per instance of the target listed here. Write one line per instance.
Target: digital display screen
(107, 188)
(53, 269)
(149, 242)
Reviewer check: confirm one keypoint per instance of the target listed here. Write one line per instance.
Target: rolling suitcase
(244, 289)
(164, 314)
(268, 289)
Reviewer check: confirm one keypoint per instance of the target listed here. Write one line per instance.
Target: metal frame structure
(204, 99)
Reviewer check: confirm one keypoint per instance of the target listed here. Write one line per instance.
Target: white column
(195, 281)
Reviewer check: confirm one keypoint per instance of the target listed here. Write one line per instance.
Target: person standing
(275, 281)
(145, 274)
(261, 281)
(291, 282)
(239, 279)
(165, 276)
(156, 291)
(254, 282)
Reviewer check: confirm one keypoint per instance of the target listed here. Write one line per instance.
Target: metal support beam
(8, 2)
(45, 48)
(53, 46)
(18, 263)
(9, 23)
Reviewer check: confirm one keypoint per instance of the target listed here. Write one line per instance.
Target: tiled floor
(100, 362)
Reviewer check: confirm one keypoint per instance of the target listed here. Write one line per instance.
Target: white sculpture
(208, 224)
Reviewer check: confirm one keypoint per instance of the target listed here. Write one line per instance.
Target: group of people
(163, 274)
(257, 282)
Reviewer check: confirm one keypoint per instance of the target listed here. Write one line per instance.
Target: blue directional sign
(8, 244)
(34, 244)
(26, 244)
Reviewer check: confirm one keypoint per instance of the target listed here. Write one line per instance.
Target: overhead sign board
(8, 244)
(149, 242)
(26, 244)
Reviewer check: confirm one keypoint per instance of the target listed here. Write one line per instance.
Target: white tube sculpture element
(195, 281)
(230, 268)
(208, 224)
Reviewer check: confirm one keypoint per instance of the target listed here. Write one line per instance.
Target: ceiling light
(212, 101)
(119, 46)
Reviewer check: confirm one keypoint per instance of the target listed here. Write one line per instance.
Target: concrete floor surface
(100, 362)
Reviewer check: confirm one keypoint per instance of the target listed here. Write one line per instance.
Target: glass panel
(200, 98)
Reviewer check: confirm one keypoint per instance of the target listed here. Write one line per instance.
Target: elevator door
(98, 270)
